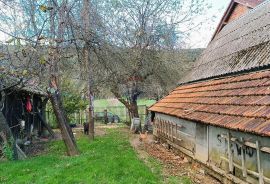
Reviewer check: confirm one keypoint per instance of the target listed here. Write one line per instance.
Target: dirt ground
(172, 164)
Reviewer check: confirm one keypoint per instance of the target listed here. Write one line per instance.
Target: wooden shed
(220, 113)
(24, 108)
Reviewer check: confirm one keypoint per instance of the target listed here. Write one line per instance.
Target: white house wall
(208, 144)
(186, 131)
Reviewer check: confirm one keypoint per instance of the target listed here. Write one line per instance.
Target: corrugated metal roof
(241, 45)
(228, 13)
(238, 102)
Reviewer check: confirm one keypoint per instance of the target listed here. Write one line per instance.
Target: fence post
(106, 116)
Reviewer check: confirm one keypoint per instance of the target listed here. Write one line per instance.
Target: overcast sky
(200, 38)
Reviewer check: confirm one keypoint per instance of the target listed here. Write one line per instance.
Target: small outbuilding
(23, 107)
(220, 113)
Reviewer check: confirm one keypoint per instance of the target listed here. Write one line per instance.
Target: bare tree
(37, 51)
(134, 36)
(87, 60)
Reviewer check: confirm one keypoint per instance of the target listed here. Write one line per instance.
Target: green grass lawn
(109, 159)
(115, 107)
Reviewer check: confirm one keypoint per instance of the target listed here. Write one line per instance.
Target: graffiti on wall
(249, 151)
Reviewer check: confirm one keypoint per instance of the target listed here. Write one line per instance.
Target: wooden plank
(167, 129)
(243, 158)
(161, 128)
(161, 124)
(176, 130)
(247, 143)
(20, 153)
(265, 149)
(253, 173)
(164, 131)
(259, 163)
(230, 153)
(46, 125)
(171, 131)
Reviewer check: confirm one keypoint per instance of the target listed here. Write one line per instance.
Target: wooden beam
(46, 125)
(259, 163)
(243, 158)
(253, 173)
(247, 143)
(230, 152)
(176, 130)
(21, 154)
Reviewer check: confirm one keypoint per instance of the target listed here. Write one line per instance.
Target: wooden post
(172, 131)
(158, 127)
(164, 128)
(164, 131)
(167, 129)
(243, 157)
(45, 124)
(106, 120)
(230, 158)
(261, 181)
(173, 136)
(172, 125)
(161, 128)
(176, 131)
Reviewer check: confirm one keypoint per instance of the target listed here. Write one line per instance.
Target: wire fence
(82, 116)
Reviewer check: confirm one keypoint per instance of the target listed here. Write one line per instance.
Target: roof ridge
(231, 74)
(219, 113)
(249, 12)
(241, 80)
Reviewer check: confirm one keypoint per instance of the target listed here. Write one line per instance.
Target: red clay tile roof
(238, 102)
(241, 45)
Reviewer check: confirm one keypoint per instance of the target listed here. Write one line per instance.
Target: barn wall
(238, 11)
(186, 130)
(209, 145)
(202, 144)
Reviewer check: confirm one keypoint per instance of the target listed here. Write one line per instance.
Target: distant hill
(190, 55)
(181, 61)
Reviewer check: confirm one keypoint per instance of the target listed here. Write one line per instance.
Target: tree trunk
(87, 61)
(135, 114)
(91, 119)
(66, 131)
(91, 97)
(54, 91)
(133, 108)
